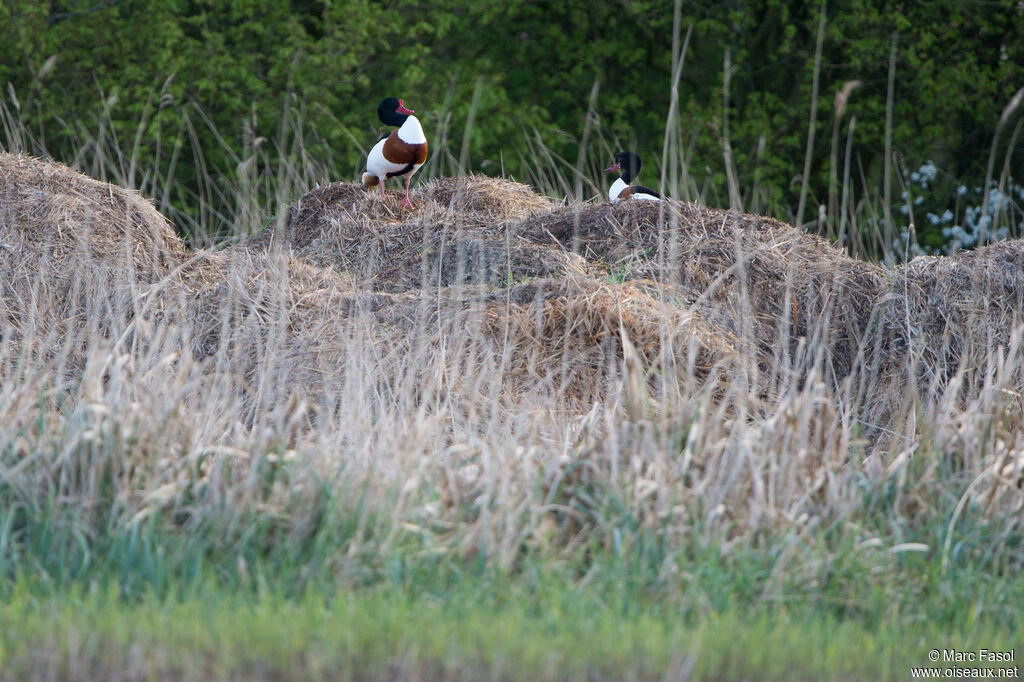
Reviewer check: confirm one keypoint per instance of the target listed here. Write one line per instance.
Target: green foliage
(231, 76)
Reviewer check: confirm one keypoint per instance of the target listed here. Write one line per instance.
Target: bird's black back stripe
(640, 189)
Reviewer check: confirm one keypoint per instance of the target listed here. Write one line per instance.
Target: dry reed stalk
(492, 418)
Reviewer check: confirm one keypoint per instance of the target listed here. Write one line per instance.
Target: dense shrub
(227, 76)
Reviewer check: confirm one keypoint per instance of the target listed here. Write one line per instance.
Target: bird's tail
(370, 180)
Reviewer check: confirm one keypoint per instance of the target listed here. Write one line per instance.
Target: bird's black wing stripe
(405, 170)
(640, 189)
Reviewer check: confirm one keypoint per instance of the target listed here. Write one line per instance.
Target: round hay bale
(48, 211)
(75, 252)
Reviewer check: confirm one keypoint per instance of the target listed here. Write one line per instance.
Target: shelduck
(630, 165)
(398, 154)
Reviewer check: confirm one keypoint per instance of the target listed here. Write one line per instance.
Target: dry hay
(944, 316)
(560, 335)
(74, 251)
(344, 206)
(456, 233)
(752, 277)
(240, 295)
(396, 257)
(965, 302)
(279, 327)
(474, 200)
(276, 328)
(419, 254)
(572, 334)
(482, 200)
(559, 301)
(476, 257)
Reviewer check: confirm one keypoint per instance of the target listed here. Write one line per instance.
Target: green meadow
(146, 613)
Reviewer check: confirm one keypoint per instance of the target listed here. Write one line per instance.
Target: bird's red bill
(402, 110)
(609, 170)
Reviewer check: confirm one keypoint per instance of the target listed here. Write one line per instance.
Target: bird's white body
(616, 189)
(377, 164)
(619, 186)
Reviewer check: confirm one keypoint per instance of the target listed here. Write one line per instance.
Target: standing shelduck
(399, 154)
(630, 165)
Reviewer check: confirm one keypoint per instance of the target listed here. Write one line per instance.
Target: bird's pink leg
(382, 188)
(406, 201)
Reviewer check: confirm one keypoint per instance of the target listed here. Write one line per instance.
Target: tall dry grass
(474, 381)
(523, 417)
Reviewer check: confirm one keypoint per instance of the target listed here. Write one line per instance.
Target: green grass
(547, 628)
(153, 603)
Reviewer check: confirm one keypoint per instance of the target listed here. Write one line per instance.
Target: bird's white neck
(411, 131)
(616, 189)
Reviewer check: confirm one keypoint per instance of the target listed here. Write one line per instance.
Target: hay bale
(971, 300)
(947, 316)
(50, 212)
(788, 299)
(400, 256)
(344, 207)
(752, 277)
(571, 334)
(70, 244)
(474, 200)
(276, 324)
(456, 233)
